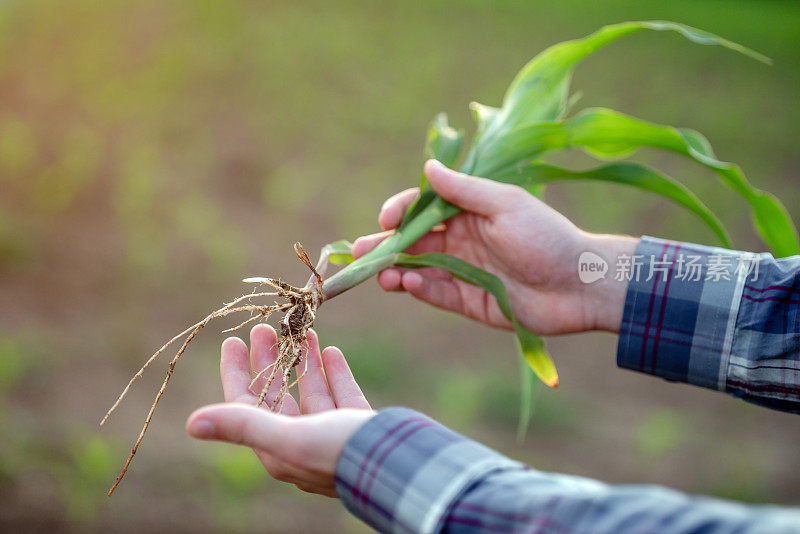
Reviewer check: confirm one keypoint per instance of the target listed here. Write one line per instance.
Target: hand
(299, 449)
(512, 234)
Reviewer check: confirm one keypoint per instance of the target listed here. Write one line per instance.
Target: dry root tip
(301, 253)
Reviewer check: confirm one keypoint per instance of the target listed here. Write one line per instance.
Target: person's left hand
(302, 445)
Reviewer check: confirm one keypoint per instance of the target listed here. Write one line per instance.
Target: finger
(266, 433)
(366, 243)
(314, 393)
(289, 406)
(395, 207)
(438, 292)
(345, 390)
(234, 369)
(263, 352)
(392, 279)
(478, 195)
(433, 241)
(389, 279)
(240, 424)
(303, 442)
(431, 273)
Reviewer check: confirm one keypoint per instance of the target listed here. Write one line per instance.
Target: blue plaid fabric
(715, 318)
(403, 472)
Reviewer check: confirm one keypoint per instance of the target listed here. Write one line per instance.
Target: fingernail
(201, 429)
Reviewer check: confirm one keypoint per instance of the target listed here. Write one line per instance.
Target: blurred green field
(152, 154)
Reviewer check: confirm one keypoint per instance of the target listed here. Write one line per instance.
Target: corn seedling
(508, 146)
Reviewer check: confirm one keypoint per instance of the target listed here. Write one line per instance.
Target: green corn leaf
(444, 144)
(425, 198)
(528, 386)
(539, 91)
(339, 252)
(530, 345)
(533, 175)
(773, 224)
(519, 146)
(484, 116)
(606, 133)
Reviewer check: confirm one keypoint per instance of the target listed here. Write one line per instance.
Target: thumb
(479, 195)
(242, 424)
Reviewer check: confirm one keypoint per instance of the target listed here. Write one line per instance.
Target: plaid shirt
(706, 317)
(730, 321)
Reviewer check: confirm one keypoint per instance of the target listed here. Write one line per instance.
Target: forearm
(403, 472)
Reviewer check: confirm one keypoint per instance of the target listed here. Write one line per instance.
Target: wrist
(605, 296)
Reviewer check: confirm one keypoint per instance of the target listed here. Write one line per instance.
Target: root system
(299, 306)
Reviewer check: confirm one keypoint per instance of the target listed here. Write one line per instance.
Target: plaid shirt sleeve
(715, 318)
(403, 472)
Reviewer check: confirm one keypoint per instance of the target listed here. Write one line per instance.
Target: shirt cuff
(680, 310)
(401, 471)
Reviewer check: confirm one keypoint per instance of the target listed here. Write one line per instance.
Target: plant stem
(385, 254)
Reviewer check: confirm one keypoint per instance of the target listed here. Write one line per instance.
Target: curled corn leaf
(443, 143)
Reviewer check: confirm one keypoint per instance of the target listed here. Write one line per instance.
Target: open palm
(302, 444)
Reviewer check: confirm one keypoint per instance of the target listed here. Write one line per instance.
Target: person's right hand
(531, 247)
